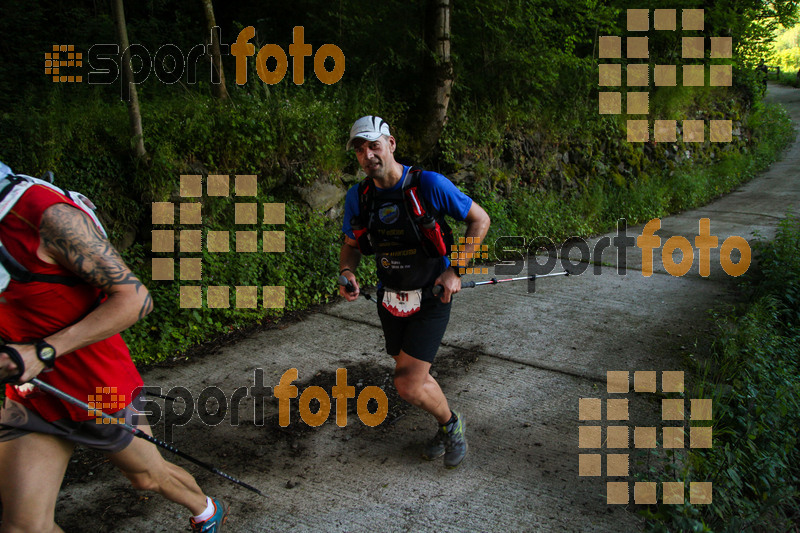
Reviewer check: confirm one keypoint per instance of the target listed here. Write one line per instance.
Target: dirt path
(515, 363)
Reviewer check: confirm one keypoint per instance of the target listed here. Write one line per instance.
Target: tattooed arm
(70, 238)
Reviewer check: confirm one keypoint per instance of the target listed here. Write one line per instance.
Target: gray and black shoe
(455, 442)
(436, 447)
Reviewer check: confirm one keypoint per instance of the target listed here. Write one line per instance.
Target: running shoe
(213, 524)
(456, 444)
(435, 448)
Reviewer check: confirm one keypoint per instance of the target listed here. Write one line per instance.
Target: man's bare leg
(31, 470)
(415, 385)
(143, 465)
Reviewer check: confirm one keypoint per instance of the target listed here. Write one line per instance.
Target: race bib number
(402, 303)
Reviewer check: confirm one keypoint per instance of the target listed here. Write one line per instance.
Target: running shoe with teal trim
(455, 444)
(213, 524)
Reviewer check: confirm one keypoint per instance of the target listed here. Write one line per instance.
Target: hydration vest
(408, 237)
(12, 187)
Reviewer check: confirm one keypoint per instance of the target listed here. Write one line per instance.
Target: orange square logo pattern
(192, 238)
(624, 64)
(680, 432)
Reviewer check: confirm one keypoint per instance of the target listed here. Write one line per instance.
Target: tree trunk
(220, 90)
(134, 115)
(437, 74)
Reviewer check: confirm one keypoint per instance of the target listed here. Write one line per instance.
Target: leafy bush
(789, 78)
(753, 377)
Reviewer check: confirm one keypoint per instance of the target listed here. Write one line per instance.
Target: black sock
(453, 420)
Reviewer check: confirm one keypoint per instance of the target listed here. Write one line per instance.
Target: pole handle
(437, 290)
(344, 282)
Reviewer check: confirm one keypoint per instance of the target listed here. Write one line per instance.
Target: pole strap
(14, 355)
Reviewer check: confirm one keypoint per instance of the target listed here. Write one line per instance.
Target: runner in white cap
(398, 214)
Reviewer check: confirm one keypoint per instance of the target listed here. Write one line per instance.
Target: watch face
(46, 354)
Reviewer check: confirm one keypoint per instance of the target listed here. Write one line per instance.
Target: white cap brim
(370, 128)
(367, 135)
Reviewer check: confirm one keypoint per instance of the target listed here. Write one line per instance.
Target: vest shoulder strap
(12, 187)
(366, 190)
(433, 232)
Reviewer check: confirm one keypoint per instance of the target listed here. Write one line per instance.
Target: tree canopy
(513, 52)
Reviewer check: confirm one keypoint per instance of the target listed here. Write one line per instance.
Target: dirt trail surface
(514, 363)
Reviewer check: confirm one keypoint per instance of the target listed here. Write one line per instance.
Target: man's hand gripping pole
(344, 282)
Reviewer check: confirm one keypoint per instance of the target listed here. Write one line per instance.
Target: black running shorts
(16, 421)
(418, 335)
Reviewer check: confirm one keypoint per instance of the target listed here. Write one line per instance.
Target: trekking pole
(344, 282)
(437, 290)
(163, 396)
(141, 434)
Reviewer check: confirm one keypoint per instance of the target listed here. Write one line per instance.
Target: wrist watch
(46, 353)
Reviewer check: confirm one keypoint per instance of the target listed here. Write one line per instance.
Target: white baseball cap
(370, 128)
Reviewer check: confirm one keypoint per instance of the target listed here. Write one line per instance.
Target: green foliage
(306, 270)
(789, 78)
(786, 38)
(266, 134)
(779, 271)
(751, 22)
(787, 59)
(84, 145)
(287, 142)
(753, 378)
(785, 50)
(531, 214)
(508, 44)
